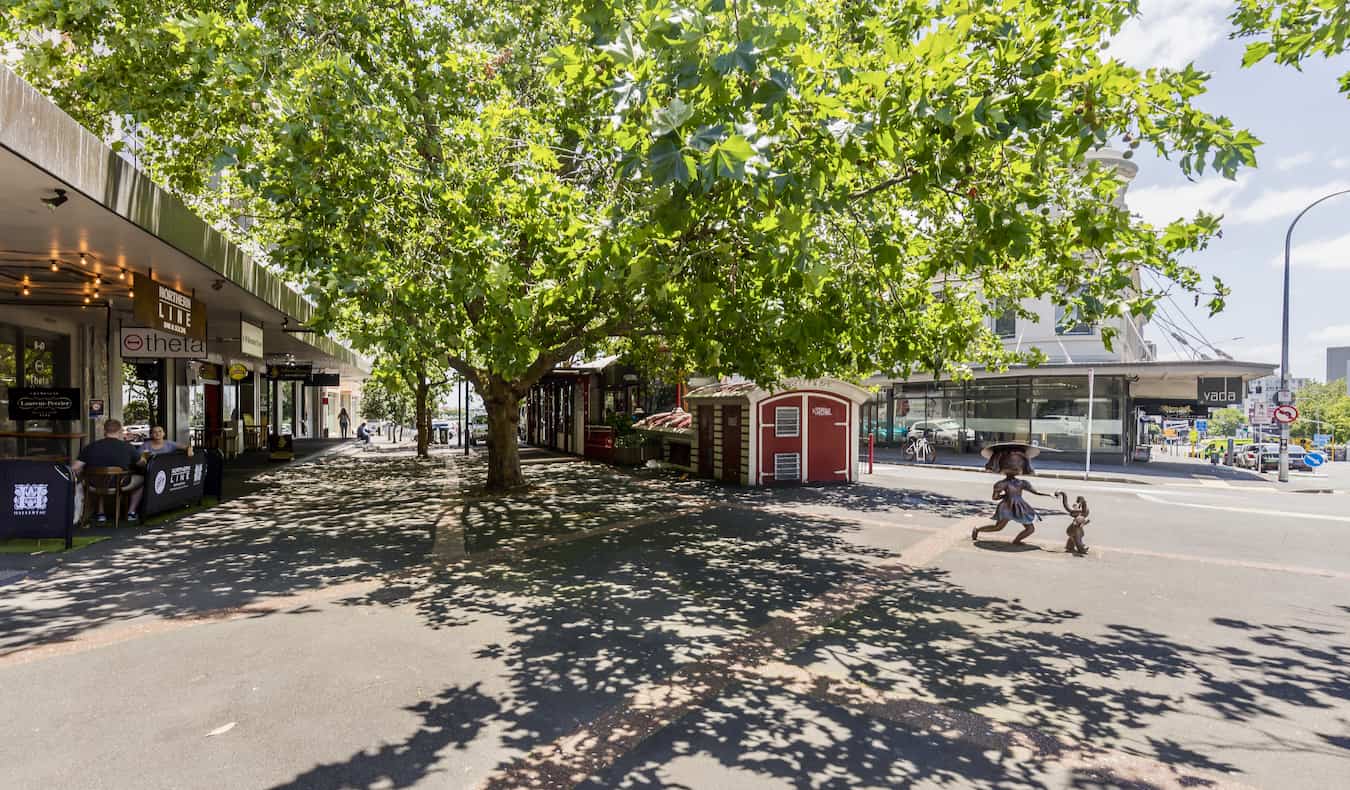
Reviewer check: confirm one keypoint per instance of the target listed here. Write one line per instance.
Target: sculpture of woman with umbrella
(1011, 459)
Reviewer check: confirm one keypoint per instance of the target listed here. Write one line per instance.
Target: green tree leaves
(1291, 31)
(789, 188)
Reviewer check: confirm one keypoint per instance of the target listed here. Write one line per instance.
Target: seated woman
(157, 444)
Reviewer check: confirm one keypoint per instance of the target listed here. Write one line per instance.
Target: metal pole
(1092, 377)
(1284, 335)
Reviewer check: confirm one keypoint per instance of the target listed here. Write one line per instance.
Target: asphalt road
(371, 622)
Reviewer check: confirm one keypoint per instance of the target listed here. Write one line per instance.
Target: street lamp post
(1283, 395)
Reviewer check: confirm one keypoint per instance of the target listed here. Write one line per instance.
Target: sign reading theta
(146, 343)
(44, 403)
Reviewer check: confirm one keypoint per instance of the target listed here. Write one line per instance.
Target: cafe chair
(104, 481)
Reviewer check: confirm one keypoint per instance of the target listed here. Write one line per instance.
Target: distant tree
(135, 388)
(1323, 408)
(387, 398)
(136, 411)
(1225, 422)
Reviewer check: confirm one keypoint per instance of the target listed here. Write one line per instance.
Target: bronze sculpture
(1079, 515)
(1011, 459)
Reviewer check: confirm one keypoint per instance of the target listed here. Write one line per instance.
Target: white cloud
(1278, 203)
(1161, 205)
(1171, 33)
(1328, 254)
(1341, 163)
(1254, 352)
(1337, 334)
(1295, 161)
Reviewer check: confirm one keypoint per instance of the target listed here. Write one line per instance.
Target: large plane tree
(780, 188)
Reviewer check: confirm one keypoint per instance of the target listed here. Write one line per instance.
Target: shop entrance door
(705, 441)
(731, 443)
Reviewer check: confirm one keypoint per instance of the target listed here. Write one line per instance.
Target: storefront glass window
(9, 377)
(287, 402)
(999, 411)
(30, 358)
(1060, 413)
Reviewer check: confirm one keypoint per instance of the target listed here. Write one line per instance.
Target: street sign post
(1286, 414)
(1321, 439)
(1260, 413)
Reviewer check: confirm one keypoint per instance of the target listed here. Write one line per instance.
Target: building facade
(1084, 396)
(119, 300)
(1338, 363)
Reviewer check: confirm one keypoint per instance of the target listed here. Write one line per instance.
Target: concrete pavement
(376, 622)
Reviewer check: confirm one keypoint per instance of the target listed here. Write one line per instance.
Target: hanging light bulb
(55, 267)
(86, 300)
(131, 294)
(121, 274)
(26, 280)
(25, 290)
(84, 260)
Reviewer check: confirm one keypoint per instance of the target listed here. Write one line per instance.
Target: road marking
(1257, 511)
(1253, 564)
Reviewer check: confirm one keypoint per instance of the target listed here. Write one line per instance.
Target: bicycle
(919, 450)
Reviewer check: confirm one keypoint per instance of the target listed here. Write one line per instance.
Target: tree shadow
(452, 719)
(331, 521)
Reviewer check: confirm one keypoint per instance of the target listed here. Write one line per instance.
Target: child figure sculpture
(1011, 459)
(1079, 515)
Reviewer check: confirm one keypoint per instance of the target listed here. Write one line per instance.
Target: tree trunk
(423, 416)
(503, 410)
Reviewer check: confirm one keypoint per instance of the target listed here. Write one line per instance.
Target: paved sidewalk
(380, 622)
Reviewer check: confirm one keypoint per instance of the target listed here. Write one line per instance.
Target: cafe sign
(146, 343)
(250, 340)
(161, 307)
(44, 403)
(292, 371)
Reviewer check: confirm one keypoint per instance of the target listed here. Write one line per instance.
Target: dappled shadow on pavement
(341, 519)
(451, 720)
(759, 736)
(934, 641)
(587, 622)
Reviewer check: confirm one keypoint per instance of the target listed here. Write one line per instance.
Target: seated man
(112, 451)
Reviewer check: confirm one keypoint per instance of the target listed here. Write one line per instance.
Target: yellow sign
(238, 372)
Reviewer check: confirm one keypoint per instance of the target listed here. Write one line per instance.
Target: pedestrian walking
(344, 422)
(1011, 459)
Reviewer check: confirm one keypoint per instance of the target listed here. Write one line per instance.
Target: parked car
(478, 428)
(945, 432)
(1266, 457)
(135, 433)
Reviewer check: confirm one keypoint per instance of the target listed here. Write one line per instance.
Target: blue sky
(1305, 125)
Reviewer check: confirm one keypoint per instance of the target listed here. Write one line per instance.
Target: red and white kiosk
(803, 431)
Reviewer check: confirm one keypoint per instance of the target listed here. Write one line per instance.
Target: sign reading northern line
(161, 307)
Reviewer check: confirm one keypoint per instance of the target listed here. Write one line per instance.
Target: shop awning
(114, 222)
